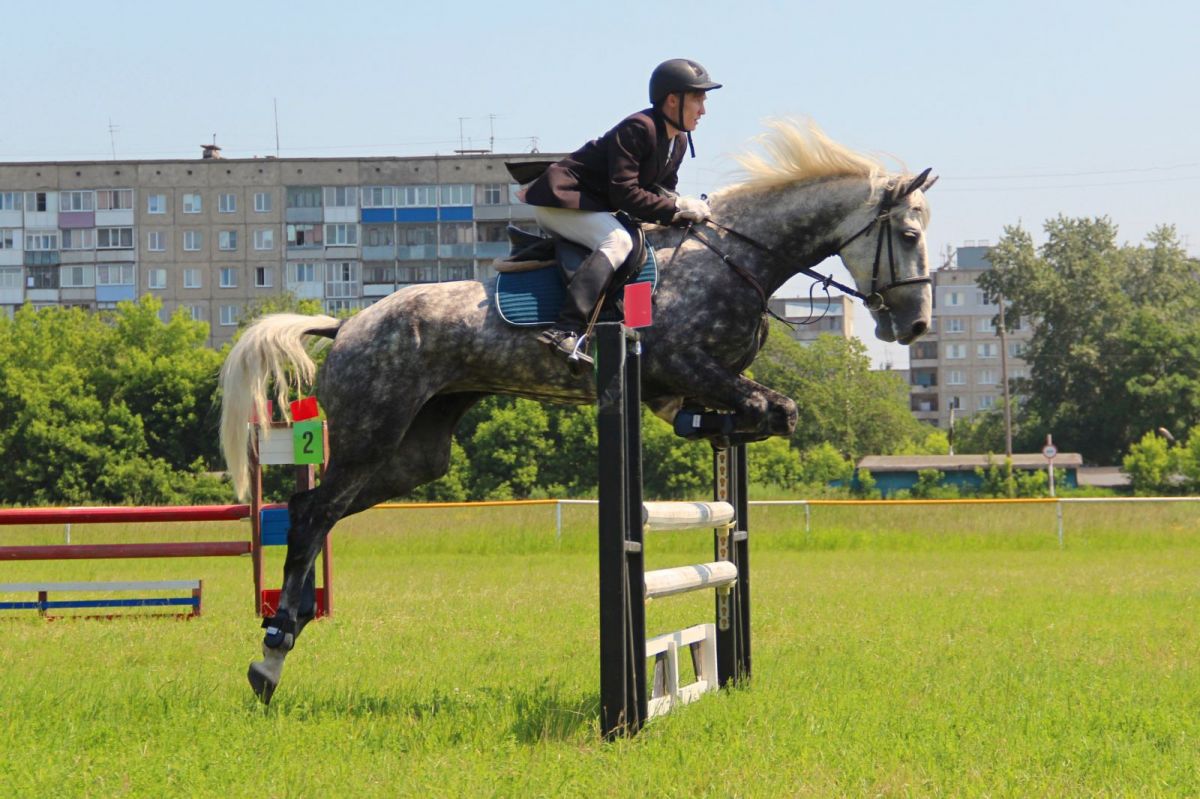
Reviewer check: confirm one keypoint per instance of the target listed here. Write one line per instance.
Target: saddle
(531, 282)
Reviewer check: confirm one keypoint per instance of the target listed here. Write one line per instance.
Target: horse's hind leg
(422, 456)
(313, 514)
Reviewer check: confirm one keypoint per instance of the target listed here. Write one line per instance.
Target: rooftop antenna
(492, 132)
(112, 137)
(533, 144)
(461, 145)
(275, 101)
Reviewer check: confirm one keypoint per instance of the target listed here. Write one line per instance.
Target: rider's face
(693, 108)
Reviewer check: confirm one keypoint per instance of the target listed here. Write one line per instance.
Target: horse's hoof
(262, 685)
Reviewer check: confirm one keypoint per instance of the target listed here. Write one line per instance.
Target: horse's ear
(929, 183)
(917, 182)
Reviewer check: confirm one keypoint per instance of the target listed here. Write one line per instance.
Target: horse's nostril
(918, 329)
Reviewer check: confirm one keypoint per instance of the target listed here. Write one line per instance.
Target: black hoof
(260, 684)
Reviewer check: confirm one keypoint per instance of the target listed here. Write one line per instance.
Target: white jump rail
(682, 579)
(686, 515)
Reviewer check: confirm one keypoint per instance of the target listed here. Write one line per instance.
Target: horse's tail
(268, 350)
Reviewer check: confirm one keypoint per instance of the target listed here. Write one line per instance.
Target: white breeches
(596, 230)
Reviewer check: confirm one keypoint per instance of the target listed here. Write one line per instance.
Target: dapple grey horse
(399, 375)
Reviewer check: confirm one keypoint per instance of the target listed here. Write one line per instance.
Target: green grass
(897, 652)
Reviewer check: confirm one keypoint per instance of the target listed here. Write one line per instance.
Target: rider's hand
(691, 209)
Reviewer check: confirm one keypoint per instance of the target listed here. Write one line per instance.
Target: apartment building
(214, 235)
(957, 364)
(833, 315)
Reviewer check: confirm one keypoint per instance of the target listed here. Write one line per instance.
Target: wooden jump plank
(135, 585)
(685, 515)
(184, 549)
(102, 515)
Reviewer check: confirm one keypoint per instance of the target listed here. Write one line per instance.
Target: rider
(631, 168)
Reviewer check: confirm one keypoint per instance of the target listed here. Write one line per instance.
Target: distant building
(833, 315)
(214, 234)
(894, 473)
(957, 365)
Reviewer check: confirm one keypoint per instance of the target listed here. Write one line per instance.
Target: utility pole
(1004, 380)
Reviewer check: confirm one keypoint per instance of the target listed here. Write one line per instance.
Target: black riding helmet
(677, 76)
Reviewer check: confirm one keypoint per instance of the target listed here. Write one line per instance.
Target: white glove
(691, 209)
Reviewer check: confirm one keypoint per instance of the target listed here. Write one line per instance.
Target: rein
(874, 300)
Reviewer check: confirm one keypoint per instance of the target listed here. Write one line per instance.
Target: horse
(400, 374)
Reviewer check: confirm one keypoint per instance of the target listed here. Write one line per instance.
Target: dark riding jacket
(626, 169)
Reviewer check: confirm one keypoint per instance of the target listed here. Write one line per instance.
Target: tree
(1115, 333)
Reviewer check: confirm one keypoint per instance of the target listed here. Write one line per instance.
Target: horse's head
(886, 254)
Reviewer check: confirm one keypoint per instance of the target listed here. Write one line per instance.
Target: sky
(1026, 110)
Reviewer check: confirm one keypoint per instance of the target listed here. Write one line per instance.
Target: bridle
(875, 300)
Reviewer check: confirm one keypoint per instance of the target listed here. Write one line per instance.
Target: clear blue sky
(1026, 109)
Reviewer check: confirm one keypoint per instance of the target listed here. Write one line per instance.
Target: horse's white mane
(797, 151)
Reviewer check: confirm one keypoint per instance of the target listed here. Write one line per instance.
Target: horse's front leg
(757, 411)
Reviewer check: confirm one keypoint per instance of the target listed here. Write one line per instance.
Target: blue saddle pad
(534, 298)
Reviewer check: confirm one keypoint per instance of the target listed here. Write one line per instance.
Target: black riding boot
(583, 292)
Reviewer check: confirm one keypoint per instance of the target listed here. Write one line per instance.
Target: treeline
(120, 407)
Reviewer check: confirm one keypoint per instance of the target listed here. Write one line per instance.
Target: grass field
(897, 652)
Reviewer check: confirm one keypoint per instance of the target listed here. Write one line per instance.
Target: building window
(114, 238)
(989, 350)
(956, 403)
(10, 201)
(264, 239)
(378, 235)
(41, 240)
(982, 299)
(114, 200)
(114, 275)
(156, 204)
(156, 278)
(492, 232)
(458, 194)
(423, 273)
(193, 240)
(69, 201)
(377, 197)
(301, 235)
(304, 197)
(227, 204)
(192, 204)
(985, 324)
(341, 279)
(1017, 349)
(79, 239)
(155, 241)
(262, 202)
(416, 196)
(197, 312)
(458, 272)
(987, 402)
(956, 351)
(36, 201)
(229, 315)
(457, 233)
(492, 194)
(418, 235)
(262, 277)
(10, 277)
(954, 324)
(191, 279)
(303, 273)
(986, 377)
(954, 377)
(341, 235)
(228, 277)
(379, 273)
(341, 197)
(335, 307)
(227, 240)
(42, 277)
(78, 277)
(8, 238)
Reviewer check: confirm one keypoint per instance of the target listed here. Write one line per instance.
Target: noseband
(875, 300)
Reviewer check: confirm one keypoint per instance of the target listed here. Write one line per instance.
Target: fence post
(807, 520)
(558, 521)
(1060, 523)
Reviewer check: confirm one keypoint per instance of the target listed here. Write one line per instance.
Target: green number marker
(308, 443)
